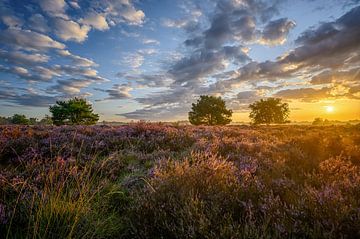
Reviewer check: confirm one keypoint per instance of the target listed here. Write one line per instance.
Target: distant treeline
(320, 121)
(23, 120)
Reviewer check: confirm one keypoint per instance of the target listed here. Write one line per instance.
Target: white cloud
(74, 4)
(133, 60)
(69, 87)
(45, 73)
(64, 53)
(148, 51)
(12, 21)
(18, 57)
(54, 7)
(20, 70)
(117, 92)
(26, 39)
(77, 60)
(118, 11)
(132, 16)
(97, 21)
(180, 23)
(150, 41)
(70, 30)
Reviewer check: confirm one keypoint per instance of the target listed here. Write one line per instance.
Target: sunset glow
(329, 109)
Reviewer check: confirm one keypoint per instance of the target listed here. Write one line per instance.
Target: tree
(209, 110)
(33, 121)
(318, 121)
(73, 112)
(5, 120)
(46, 120)
(19, 119)
(268, 111)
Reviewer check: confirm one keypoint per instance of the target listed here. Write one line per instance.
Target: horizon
(149, 60)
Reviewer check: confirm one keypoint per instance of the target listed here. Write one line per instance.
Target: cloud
(44, 74)
(120, 11)
(305, 94)
(33, 100)
(74, 70)
(220, 45)
(129, 14)
(330, 44)
(150, 41)
(329, 76)
(180, 95)
(32, 74)
(133, 60)
(20, 71)
(54, 7)
(21, 58)
(69, 87)
(330, 47)
(246, 95)
(8, 93)
(29, 40)
(74, 4)
(16, 70)
(189, 24)
(117, 92)
(129, 34)
(25, 97)
(148, 80)
(8, 17)
(190, 70)
(275, 32)
(242, 100)
(38, 23)
(234, 21)
(147, 51)
(175, 23)
(163, 113)
(96, 21)
(82, 62)
(70, 30)
(77, 60)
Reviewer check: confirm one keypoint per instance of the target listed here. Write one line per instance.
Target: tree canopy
(209, 110)
(20, 119)
(268, 111)
(75, 111)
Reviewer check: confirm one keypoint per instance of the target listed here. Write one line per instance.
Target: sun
(329, 108)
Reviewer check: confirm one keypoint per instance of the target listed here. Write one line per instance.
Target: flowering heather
(165, 181)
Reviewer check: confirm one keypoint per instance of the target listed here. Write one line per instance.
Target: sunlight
(329, 108)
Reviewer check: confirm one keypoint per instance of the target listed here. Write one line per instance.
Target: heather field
(147, 180)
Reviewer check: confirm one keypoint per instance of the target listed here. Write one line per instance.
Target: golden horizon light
(329, 108)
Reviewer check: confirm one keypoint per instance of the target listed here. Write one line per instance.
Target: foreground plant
(161, 181)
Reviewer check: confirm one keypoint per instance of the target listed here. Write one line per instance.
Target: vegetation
(23, 120)
(160, 181)
(209, 110)
(320, 121)
(20, 119)
(269, 111)
(73, 112)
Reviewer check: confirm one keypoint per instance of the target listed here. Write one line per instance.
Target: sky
(151, 59)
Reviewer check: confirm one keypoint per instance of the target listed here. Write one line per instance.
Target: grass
(161, 181)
